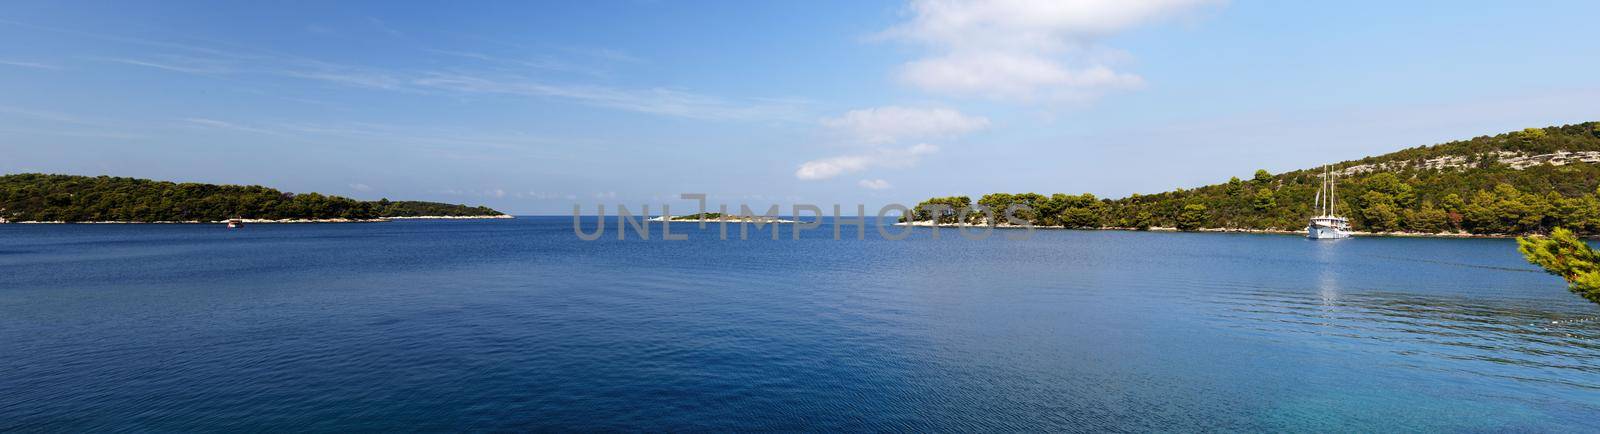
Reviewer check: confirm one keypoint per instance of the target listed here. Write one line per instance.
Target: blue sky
(532, 107)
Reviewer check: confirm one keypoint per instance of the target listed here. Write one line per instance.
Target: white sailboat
(1327, 224)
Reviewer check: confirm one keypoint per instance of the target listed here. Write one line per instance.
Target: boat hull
(1325, 233)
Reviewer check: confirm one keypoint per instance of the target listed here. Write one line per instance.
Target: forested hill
(39, 197)
(1526, 181)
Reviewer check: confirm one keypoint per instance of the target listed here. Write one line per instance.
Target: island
(48, 198)
(1529, 181)
(720, 217)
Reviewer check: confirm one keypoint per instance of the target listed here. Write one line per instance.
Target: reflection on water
(516, 325)
(1442, 332)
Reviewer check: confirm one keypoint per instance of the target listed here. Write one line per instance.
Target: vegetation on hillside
(699, 216)
(412, 208)
(40, 197)
(1564, 254)
(1405, 191)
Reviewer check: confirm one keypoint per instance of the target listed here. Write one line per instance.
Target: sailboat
(1327, 224)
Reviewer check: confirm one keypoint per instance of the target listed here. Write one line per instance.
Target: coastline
(1222, 230)
(752, 219)
(447, 217)
(263, 221)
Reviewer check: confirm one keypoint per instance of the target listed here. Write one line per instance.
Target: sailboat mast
(1333, 193)
(1323, 206)
(1317, 207)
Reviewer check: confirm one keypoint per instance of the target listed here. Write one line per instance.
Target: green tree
(1235, 186)
(1452, 202)
(1264, 199)
(1530, 134)
(1564, 254)
(950, 211)
(997, 203)
(1262, 176)
(1389, 184)
(1080, 218)
(104, 198)
(1466, 194)
(1139, 220)
(1192, 217)
(1429, 219)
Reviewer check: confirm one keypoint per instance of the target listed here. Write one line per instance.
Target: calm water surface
(517, 325)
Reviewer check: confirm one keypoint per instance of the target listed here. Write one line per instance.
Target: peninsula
(720, 217)
(1521, 182)
(33, 197)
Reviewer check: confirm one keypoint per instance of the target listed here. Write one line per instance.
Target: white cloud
(1024, 49)
(875, 184)
(891, 124)
(835, 166)
(1014, 76)
(360, 187)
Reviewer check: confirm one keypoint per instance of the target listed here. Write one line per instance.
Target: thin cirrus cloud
(893, 157)
(1025, 50)
(26, 64)
(198, 60)
(891, 124)
(655, 101)
(880, 128)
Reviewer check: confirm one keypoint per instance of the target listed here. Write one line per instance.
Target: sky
(534, 107)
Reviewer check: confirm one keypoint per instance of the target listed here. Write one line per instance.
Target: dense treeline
(412, 208)
(39, 197)
(1479, 194)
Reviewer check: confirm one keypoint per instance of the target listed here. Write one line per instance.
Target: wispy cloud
(660, 101)
(242, 61)
(830, 167)
(889, 124)
(349, 78)
(664, 101)
(25, 64)
(101, 127)
(224, 125)
(184, 64)
(657, 101)
(607, 54)
(874, 184)
(48, 115)
(880, 127)
(544, 195)
(544, 63)
(452, 143)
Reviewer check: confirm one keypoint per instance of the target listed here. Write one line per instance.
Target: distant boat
(235, 223)
(1327, 224)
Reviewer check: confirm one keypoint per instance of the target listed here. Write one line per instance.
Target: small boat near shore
(235, 223)
(1327, 225)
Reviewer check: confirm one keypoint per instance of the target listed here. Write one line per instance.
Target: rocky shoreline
(466, 217)
(1220, 230)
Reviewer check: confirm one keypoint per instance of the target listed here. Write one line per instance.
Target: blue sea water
(519, 325)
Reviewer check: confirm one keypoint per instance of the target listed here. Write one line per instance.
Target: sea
(522, 325)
